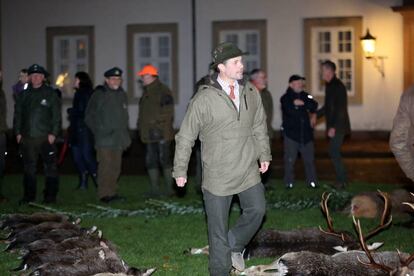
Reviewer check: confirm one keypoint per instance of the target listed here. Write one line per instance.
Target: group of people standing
(230, 115)
(299, 115)
(98, 124)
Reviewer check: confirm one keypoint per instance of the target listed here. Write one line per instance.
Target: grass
(160, 241)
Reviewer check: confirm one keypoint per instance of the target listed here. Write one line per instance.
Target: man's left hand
(51, 138)
(264, 166)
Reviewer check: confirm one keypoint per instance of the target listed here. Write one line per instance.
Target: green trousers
(335, 145)
(109, 169)
(222, 241)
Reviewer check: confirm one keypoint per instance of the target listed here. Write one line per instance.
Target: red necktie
(232, 95)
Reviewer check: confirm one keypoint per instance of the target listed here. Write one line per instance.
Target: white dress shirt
(226, 88)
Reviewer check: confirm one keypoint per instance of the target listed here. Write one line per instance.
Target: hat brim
(215, 64)
(44, 73)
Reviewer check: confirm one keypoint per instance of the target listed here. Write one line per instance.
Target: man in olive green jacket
(3, 129)
(155, 126)
(37, 122)
(229, 118)
(107, 117)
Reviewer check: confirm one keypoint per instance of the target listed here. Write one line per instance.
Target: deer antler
(329, 221)
(409, 203)
(362, 241)
(386, 217)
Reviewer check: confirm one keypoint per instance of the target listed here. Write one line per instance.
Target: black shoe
(289, 186)
(105, 199)
(313, 185)
(3, 199)
(110, 199)
(339, 185)
(49, 201)
(25, 201)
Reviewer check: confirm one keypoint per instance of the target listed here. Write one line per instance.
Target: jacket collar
(214, 83)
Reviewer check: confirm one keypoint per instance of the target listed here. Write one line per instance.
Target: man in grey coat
(228, 116)
(402, 134)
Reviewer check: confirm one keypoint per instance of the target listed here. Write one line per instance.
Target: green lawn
(158, 237)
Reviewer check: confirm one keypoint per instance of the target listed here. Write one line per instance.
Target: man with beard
(297, 105)
(107, 117)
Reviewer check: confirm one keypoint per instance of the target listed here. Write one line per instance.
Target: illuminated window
(335, 39)
(69, 50)
(154, 44)
(248, 35)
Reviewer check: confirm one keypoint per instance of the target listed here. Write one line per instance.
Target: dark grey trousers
(291, 149)
(223, 241)
(335, 145)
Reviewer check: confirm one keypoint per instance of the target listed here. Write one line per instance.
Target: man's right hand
(298, 102)
(180, 181)
(18, 138)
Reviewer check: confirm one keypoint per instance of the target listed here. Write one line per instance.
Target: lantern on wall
(368, 42)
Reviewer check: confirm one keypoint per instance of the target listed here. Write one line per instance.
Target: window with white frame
(155, 49)
(335, 44)
(335, 39)
(247, 41)
(249, 35)
(154, 44)
(69, 50)
(70, 55)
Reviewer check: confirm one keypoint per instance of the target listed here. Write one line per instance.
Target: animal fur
(370, 204)
(307, 263)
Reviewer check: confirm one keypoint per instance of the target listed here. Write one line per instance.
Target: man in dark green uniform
(335, 111)
(229, 118)
(155, 119)
(107, 117)
(259, 79)
(37, 122)
(3, 129)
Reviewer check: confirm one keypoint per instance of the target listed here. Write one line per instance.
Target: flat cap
(36, 68)
(113, 72)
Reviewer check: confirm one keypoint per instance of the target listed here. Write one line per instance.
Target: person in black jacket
(80, 136)
(335, 111)
(37, 123)
(297, 106)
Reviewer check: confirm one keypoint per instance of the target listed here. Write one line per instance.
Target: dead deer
(403, 269)
(139, 272)
(57, 235)
(274, 243)
(355, 262)
(370, 205)
(32, 219)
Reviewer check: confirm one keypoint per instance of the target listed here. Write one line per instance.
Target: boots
(29, 189)
(83, 181)
(51, 190)
(168, 182)
(154, 176)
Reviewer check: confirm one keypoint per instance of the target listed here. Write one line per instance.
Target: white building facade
(283, 37)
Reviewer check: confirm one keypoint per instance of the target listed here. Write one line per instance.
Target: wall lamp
(368, 42)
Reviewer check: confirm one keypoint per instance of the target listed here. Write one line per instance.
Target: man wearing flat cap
(37, 122)
(155, 126)
(297, 107)
(107, 117)
(228, 116)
